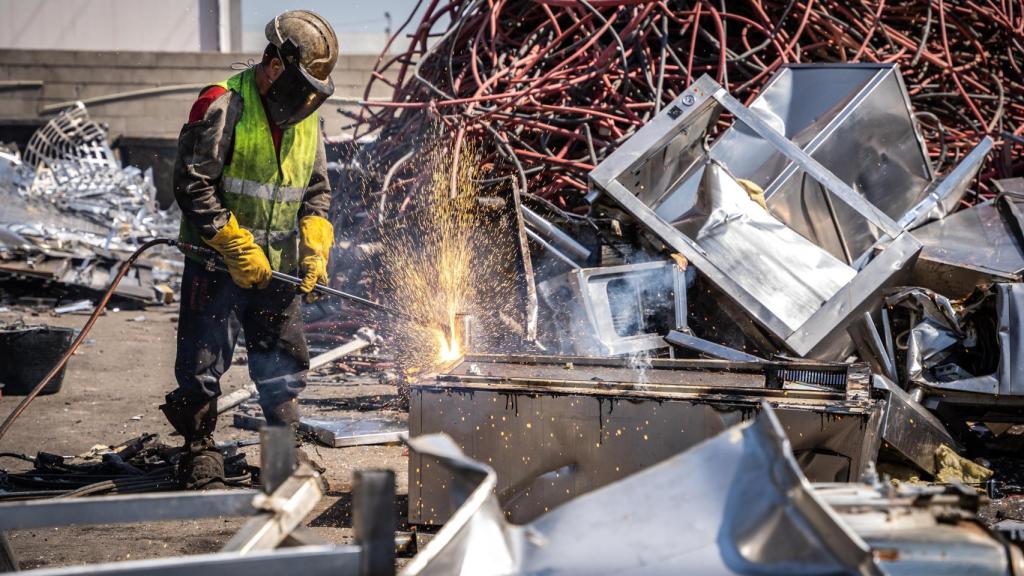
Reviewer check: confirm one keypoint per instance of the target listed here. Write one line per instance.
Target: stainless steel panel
(824, 334)
(871, 143)
(977, 238)
(553, 430)
(736, 504)
(909, 428)
(1011, 339)
(783, 271)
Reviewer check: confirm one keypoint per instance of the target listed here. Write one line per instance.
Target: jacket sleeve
(317, 199)
(203, 147)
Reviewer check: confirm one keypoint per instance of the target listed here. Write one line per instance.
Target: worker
(251, 181)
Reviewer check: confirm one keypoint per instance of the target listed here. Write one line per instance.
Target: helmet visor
(295, 94)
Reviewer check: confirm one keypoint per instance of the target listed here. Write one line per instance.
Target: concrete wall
(76, 75)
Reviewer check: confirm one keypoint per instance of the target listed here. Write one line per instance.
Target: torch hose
(125, 266)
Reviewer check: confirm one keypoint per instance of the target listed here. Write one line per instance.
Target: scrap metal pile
(71, 213)
(810, 204)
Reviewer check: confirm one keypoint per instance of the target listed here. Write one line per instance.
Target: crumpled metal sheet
(735, 504)
(69, 169)
(944, 337)
(794, 276)
(69, 213)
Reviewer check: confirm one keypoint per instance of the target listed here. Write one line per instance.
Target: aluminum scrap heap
(71, 212)
(69, 164)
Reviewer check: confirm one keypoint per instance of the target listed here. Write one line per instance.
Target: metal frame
(314, 560)
(289, 495)
(591, 316)
(708, 348)
(944, 197)
(823, 335)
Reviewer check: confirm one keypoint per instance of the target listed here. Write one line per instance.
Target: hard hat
(308, 48)
(318, 46)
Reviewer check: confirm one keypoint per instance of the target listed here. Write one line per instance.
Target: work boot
(201, 466)
(287, 414)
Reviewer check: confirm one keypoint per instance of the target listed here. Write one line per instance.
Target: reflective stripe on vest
(262, 191)
(263, 237)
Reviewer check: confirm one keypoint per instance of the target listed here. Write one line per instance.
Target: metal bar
(277, 456)
(213, 260)
(229, 401)
(679, 294)
(702, 346)
(364, 337)
(565, 243)
(532, 305)
(374, 520)
(287, 507)
(8, 561)
(20, 84)
(313, 560)
(822, 175)
(157, 92)
(890, 347)
(870, 346)
(547, 246)
(125, 509)
(304, 536)
(952, 187)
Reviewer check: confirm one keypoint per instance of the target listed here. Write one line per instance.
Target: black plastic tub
(28, 353)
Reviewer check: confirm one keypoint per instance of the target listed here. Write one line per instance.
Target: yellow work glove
(316, 239)
(245, 260)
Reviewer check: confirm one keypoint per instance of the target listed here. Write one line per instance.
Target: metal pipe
(229, 401)
(547, 246)
(364, 337)
(464, 331)
(563, 242)
(20, 84)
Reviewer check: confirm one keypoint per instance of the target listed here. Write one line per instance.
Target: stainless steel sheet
(782, 270)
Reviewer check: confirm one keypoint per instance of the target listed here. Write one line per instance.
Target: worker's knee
(280, 389)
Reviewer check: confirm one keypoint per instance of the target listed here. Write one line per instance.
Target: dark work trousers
(213, 308)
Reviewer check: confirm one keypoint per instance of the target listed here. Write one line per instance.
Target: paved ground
(111, 393)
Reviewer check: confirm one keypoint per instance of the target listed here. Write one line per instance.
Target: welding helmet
(308, 48)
